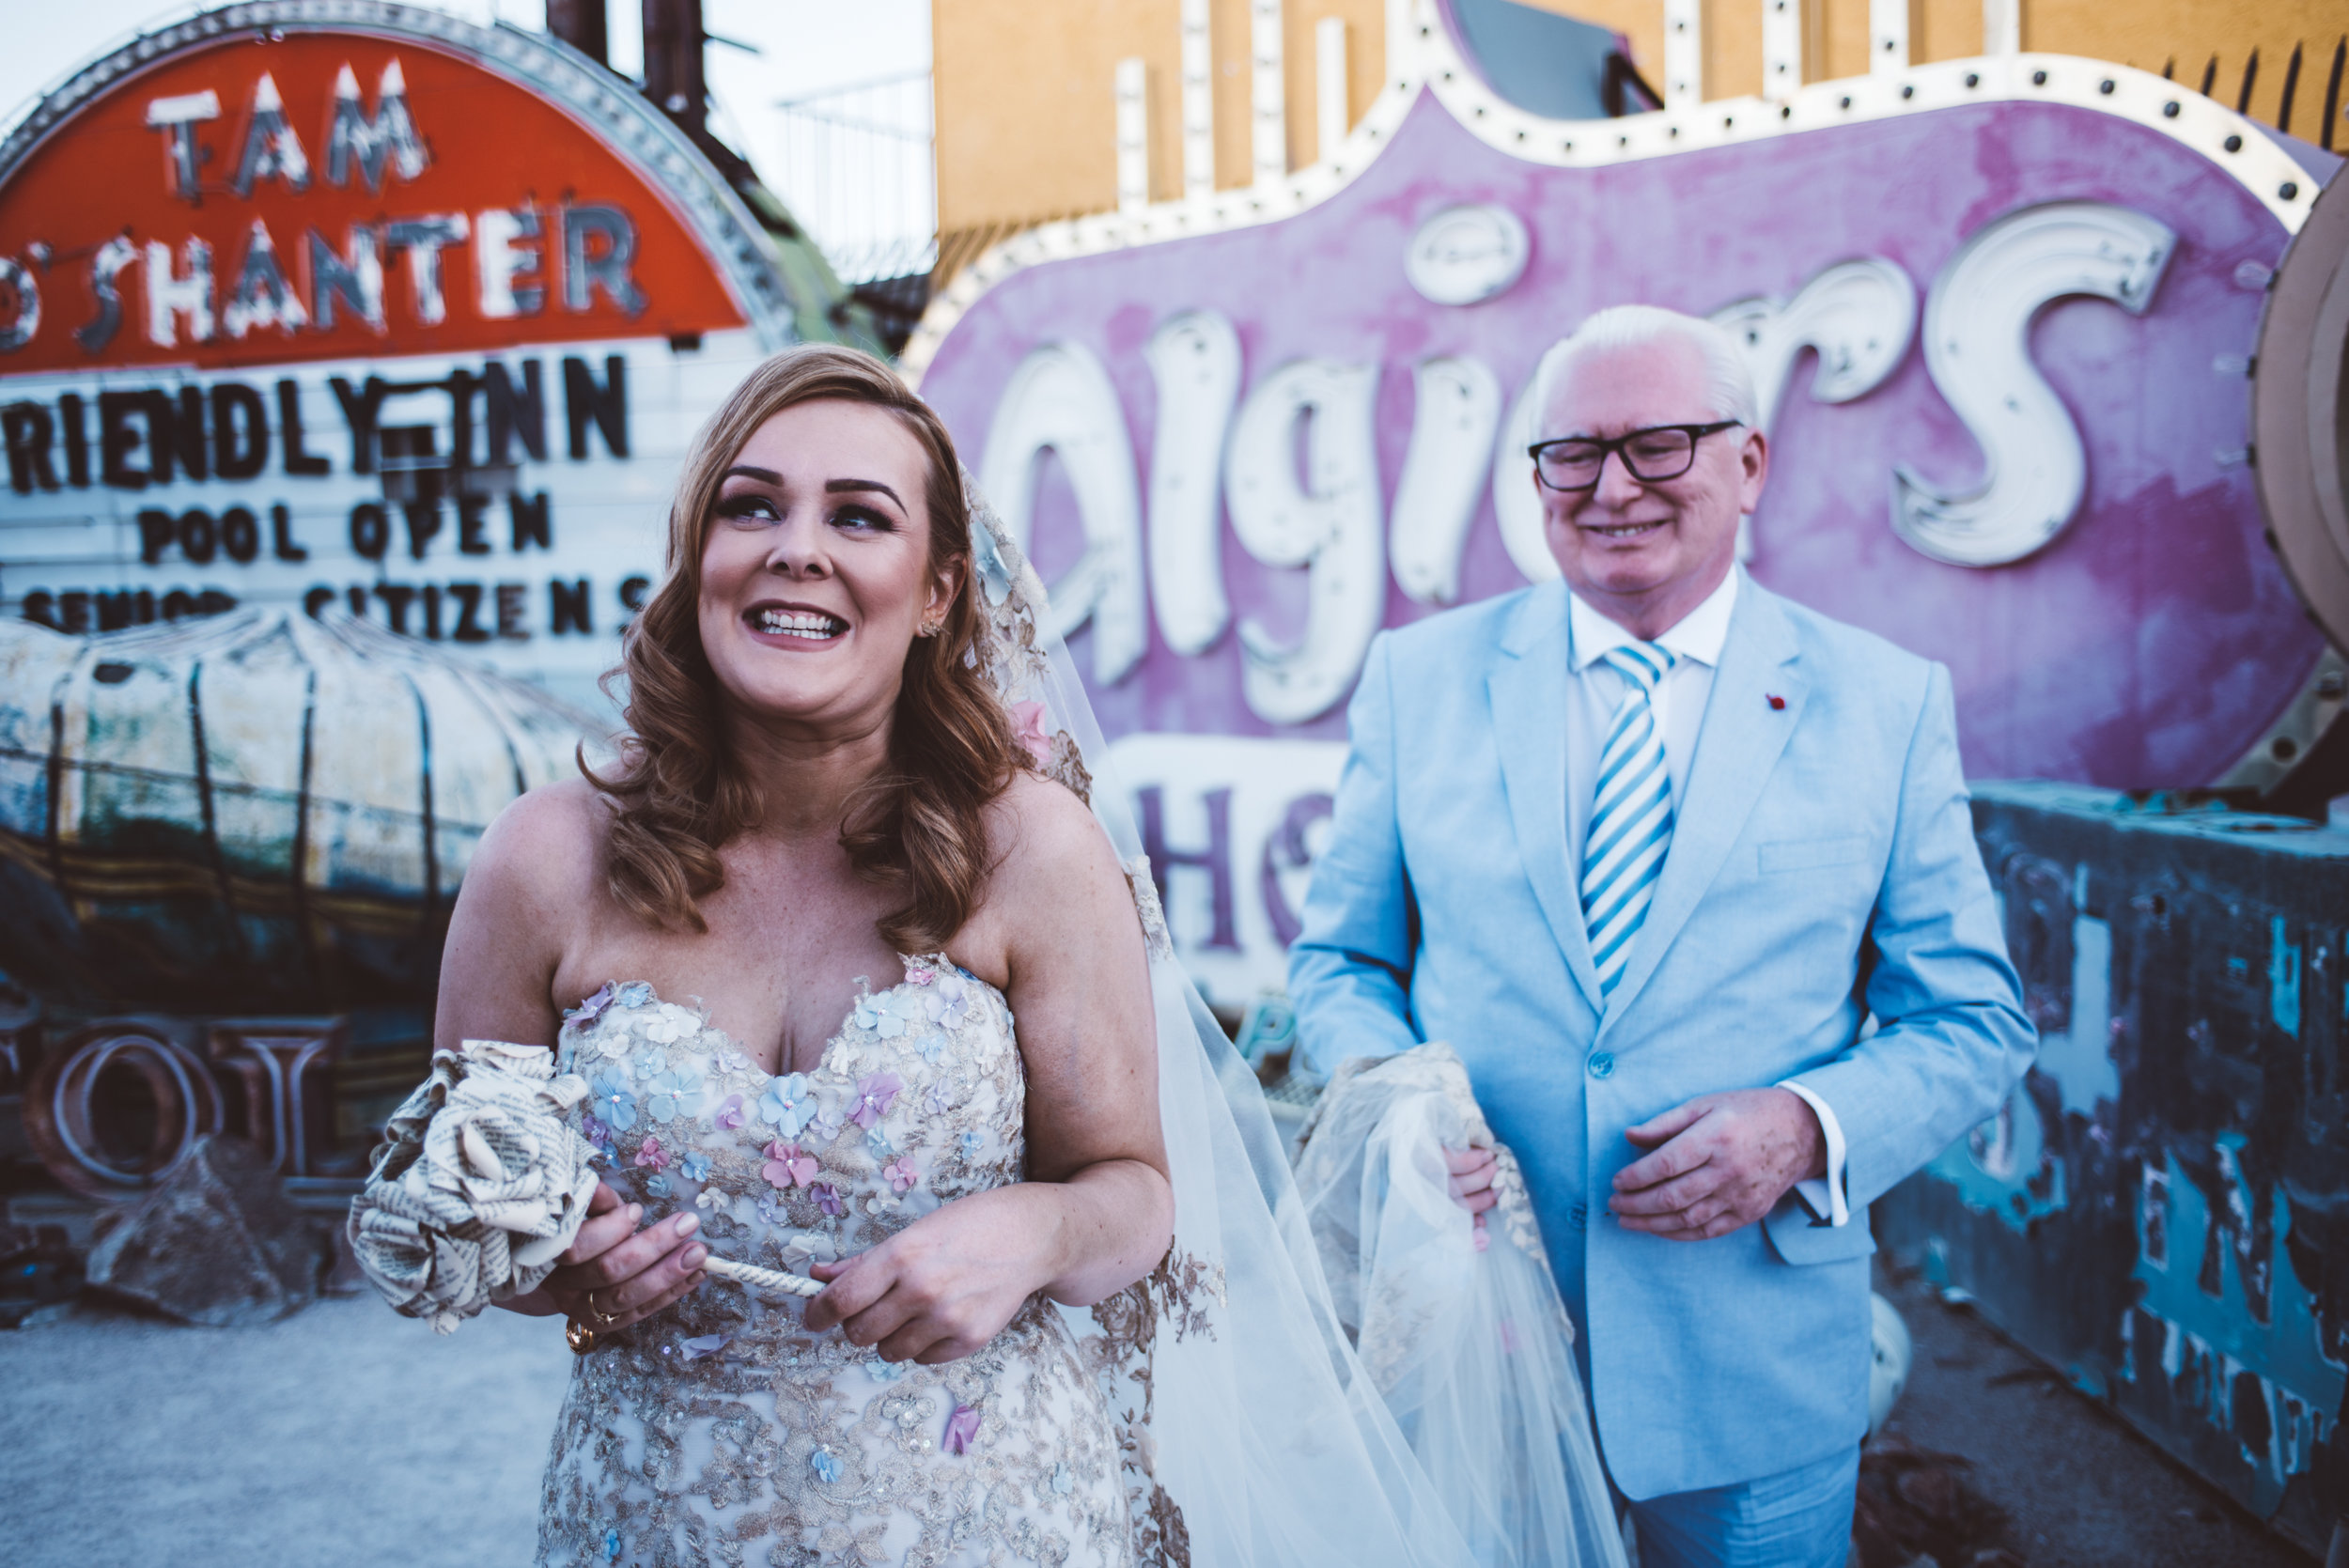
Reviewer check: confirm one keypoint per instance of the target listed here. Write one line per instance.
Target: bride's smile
(817, 572)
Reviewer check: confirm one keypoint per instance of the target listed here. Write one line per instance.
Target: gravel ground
(344, 1436)
(348, 1437)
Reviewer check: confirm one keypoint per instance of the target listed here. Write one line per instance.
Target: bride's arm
(528, 879)
(1096, 1213)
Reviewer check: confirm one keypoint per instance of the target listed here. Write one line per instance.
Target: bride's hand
(942, 1287)
(614, 1274)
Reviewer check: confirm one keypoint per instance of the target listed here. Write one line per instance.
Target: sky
(804, 47)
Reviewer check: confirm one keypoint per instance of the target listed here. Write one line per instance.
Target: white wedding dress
(723, 1430)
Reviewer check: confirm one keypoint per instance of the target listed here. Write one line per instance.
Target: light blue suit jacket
(1823, 866)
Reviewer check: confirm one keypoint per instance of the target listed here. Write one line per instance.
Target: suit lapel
(1743, 735)
(1527, 687)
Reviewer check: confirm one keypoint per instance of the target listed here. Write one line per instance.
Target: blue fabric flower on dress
(932, 1047)
(651, 1065)
(948, 1001)
(694, 1166)
(770, 1208)
(676, 1093)
(657, 1186)
(881, 1014)
(788, 1103)
(614, 1104)
(887, 1372)
(876, 1142)
(827, 1468)
(971, 1142)
(634, 994)
(611, 1544)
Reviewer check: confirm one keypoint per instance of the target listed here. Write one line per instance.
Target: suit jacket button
(1602, 1065)
(1580, 1218)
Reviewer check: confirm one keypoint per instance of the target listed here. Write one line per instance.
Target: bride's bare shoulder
(545, 845)
(1050, 856)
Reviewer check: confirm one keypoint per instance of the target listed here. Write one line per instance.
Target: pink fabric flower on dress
(827, 1197)
(917, 975)
(962, 1429)
(901, 1173)
(788, 1165)
(1027, 727)
(873, 1096)
(650, 1152)
(730, 1113)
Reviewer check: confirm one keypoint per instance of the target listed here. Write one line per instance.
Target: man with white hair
(1685, 875)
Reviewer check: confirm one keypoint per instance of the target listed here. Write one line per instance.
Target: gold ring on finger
(602, 1319)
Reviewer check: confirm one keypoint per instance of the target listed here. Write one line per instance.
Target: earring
(930, 629)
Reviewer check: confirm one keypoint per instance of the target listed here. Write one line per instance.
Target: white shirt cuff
(1824, 1196)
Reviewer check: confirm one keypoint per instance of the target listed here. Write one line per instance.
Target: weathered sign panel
(2001, 312)
(304, 305)
(2160, 1210)
(321, 320)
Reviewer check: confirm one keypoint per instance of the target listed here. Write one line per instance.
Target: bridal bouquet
(480, 1185)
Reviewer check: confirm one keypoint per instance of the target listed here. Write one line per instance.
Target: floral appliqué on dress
(721, 1430)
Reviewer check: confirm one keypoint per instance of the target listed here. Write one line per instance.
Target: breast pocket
(1813, 854)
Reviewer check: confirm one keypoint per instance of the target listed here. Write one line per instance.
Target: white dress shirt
(1594, 690)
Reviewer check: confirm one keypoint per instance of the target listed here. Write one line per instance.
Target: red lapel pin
(1777, 703)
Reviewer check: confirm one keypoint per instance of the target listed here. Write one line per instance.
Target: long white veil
(1461, 1330)
(1253, 1435)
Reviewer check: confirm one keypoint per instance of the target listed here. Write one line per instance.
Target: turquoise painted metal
(2162, 1208)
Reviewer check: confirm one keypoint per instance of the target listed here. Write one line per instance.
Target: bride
(1072, 1310)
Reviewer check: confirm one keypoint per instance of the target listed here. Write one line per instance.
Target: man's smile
(1623, 529)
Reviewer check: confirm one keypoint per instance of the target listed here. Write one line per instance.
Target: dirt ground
(2078, 1487)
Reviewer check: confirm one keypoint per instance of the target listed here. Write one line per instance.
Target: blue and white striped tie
(1631, 816)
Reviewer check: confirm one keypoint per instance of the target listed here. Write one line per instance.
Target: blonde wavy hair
(677, 800)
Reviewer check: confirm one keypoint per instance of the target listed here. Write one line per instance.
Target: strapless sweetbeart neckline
(934, 963)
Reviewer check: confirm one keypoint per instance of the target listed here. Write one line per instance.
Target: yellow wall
(1027, 112)
(2150, 33)
(1026, 102)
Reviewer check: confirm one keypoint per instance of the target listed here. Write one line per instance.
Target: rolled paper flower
(478, 1186)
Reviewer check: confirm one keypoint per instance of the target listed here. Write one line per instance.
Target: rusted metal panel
(2162, 1209)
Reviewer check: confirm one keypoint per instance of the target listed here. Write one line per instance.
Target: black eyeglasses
(1652, 456)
